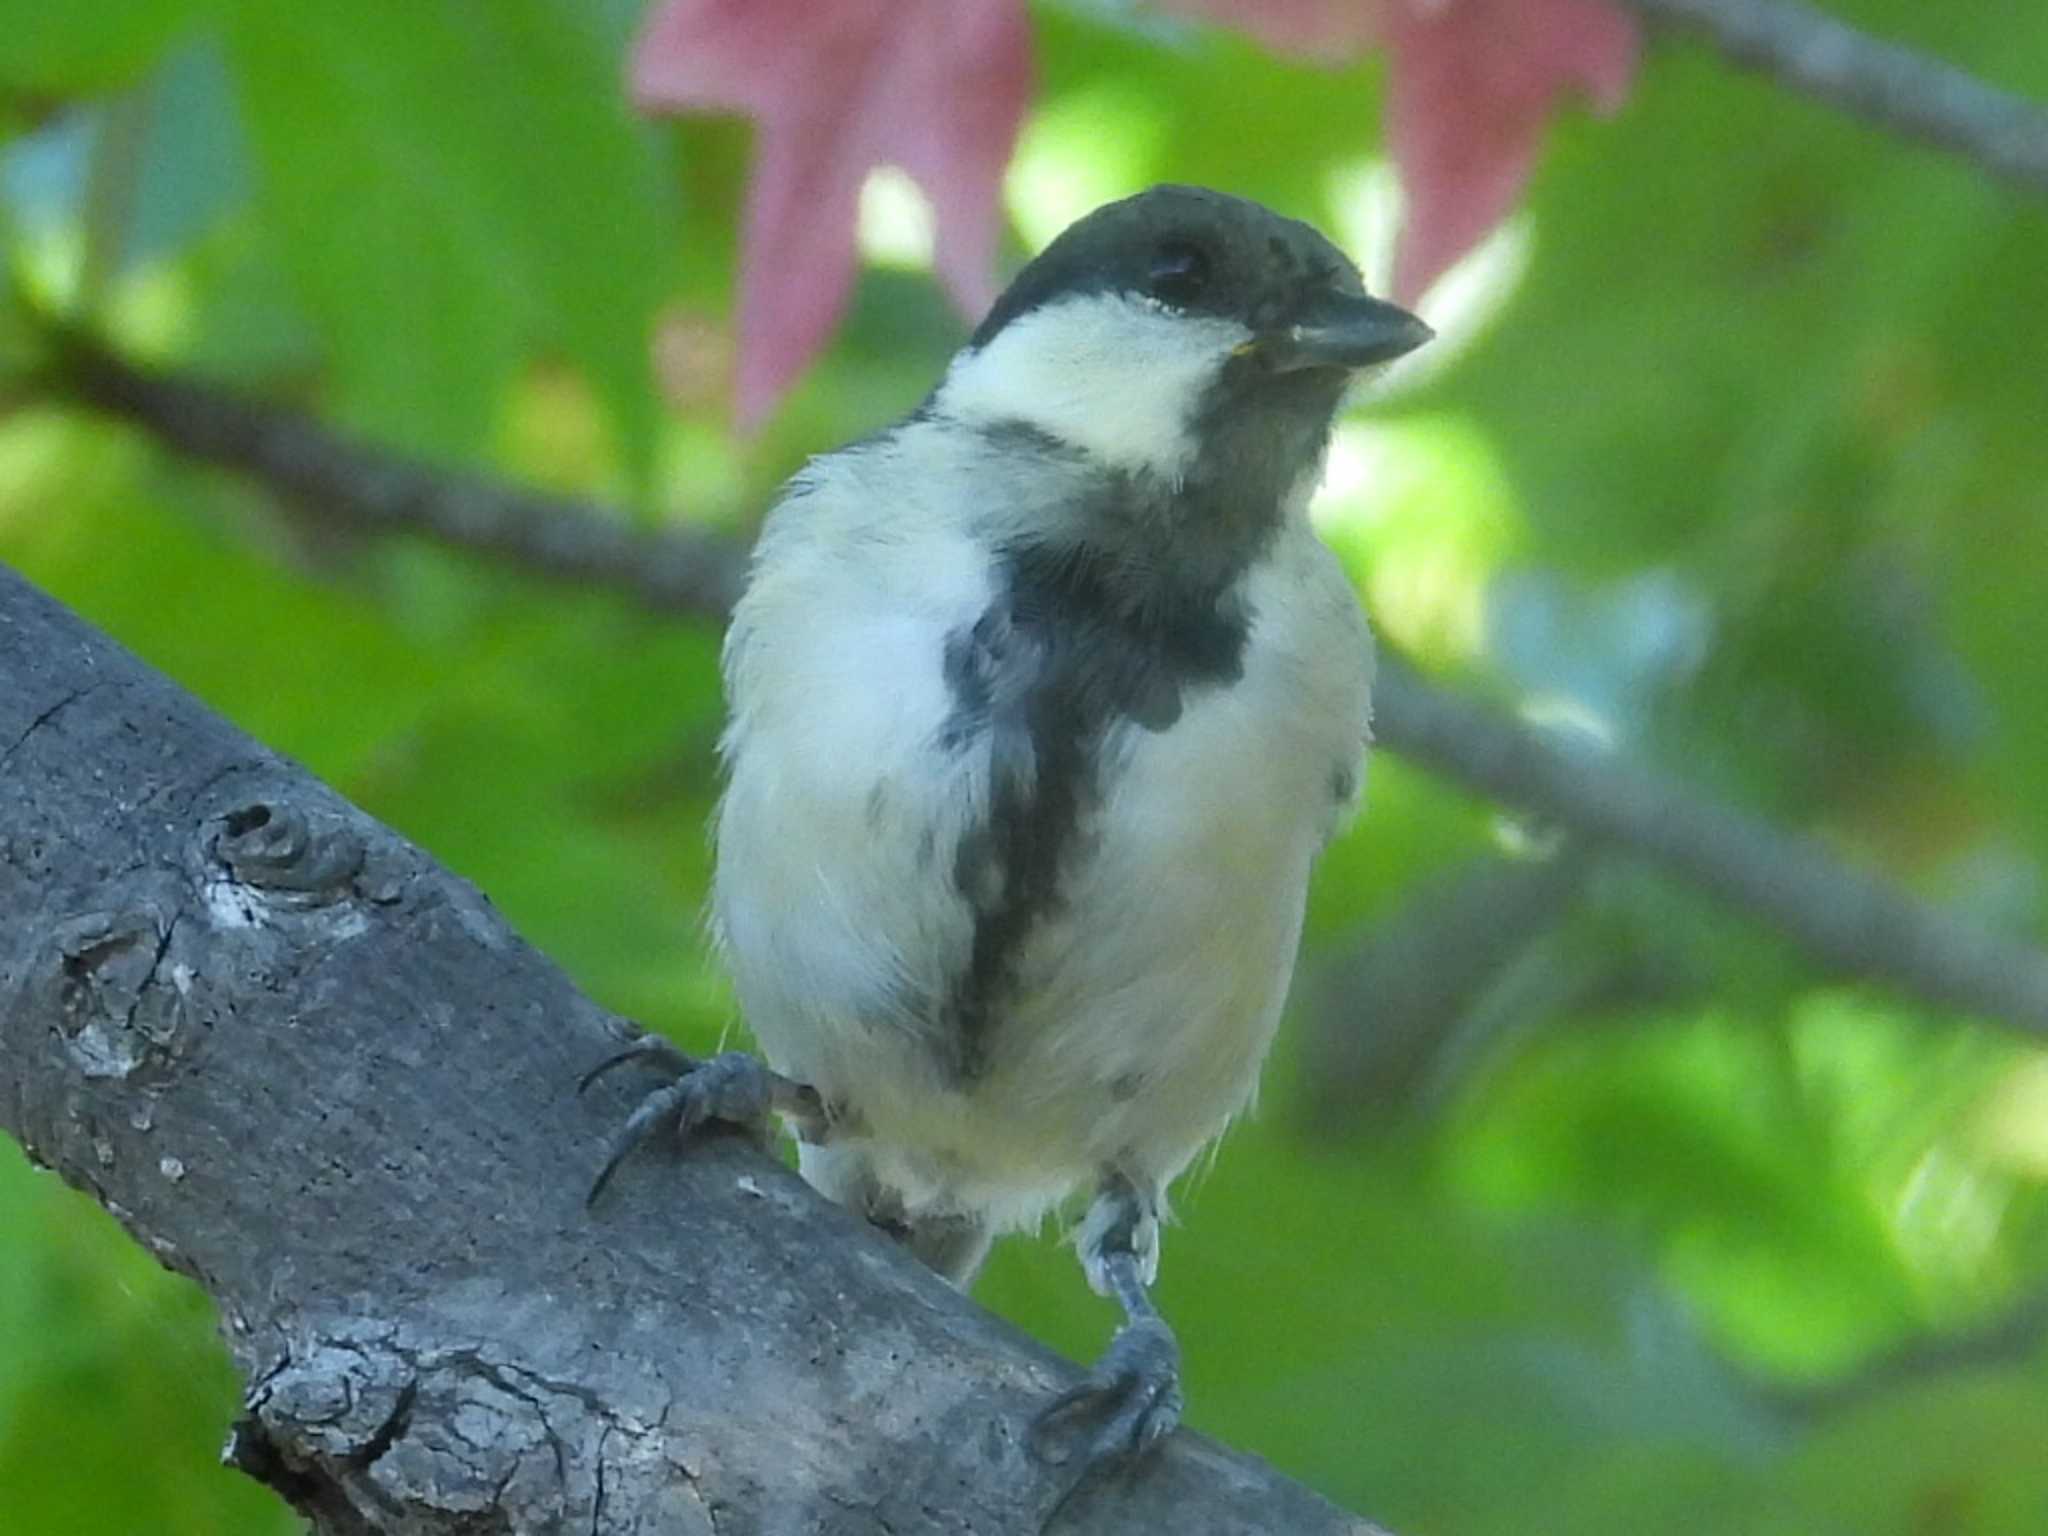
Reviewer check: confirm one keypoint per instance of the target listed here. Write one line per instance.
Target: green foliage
(114, 1401)
(62, 49)
(1739, 458)
(457, 189)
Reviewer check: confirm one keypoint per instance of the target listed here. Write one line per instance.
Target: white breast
(1146, 1002)
(832, 899)
(1149, 1002)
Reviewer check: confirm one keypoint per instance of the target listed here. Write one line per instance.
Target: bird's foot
(1133, 1394)
(734, 1087)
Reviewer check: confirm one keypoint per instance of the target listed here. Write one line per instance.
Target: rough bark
(309, 1068)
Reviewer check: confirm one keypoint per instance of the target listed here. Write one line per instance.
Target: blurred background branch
(1894, 87)
(678, 570)
(1852, 923)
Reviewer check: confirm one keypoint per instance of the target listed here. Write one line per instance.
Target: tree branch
(679, 570)
(1880, 82)
(318, 1074)
(1850, 922)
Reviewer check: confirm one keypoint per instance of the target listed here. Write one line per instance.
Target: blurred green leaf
(61, 49)
(452, 189)
(115, 1394)
(1960, 1455)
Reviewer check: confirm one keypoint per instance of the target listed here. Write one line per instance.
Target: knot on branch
(104, 982)
(309, 857)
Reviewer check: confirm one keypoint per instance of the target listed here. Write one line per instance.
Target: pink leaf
(837, 87)
(1473, 83)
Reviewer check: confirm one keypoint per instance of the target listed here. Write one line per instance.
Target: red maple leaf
(1472, 85)
(836, 88)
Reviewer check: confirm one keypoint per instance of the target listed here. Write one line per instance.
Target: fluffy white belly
(1140, 1010)
(1141, 1002)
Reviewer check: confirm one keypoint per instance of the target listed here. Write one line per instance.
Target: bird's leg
(732, 1086)
(1134, 1389)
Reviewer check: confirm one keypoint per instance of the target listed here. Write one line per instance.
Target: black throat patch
(1077, 641)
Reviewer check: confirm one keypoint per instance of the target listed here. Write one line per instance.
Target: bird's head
(1181, 333)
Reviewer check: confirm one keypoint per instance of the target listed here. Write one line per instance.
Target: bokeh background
(1576, 1201)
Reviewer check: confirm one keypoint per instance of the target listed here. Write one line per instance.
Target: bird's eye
(1179, 272)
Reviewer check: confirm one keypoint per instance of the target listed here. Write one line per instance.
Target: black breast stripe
(1062, 654)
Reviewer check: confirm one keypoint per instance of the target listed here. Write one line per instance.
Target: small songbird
(1043, 702)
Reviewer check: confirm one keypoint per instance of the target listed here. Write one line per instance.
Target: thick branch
(1851, 922)
(318, 1074)
(1883, 83)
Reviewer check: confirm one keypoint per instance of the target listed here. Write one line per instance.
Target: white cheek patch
(1114, 375)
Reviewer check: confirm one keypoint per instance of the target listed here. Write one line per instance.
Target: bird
(1042, 702)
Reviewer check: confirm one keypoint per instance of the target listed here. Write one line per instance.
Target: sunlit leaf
(453, 190)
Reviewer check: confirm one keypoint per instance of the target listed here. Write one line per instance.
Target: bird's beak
(1344, 330)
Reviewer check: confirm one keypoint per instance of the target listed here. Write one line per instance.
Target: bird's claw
(1134, 1390)
(732, 1087)
(657, 1051)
